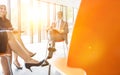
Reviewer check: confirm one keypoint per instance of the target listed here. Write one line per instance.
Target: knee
(3, 59)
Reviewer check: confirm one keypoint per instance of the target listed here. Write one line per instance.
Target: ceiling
(70, 3)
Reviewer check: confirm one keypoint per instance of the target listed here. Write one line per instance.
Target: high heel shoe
(29, 65)
(18, 67)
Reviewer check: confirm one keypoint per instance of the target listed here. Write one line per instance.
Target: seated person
(15, 45)
(58, 32)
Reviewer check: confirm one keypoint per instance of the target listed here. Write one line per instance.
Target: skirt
(3, 42)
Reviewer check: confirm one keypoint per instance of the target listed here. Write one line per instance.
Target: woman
(15, 44)
(16, 63)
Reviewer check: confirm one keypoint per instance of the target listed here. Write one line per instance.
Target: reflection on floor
(40, 49)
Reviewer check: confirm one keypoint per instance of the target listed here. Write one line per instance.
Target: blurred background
(33, 16)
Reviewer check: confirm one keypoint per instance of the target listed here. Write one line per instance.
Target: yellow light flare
(34, 15)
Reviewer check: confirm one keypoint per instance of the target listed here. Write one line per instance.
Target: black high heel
(19, 68)
(29, 65)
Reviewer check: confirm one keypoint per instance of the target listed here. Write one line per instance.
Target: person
(14, 43)
(58, 32)
(16, 63)
(4, 49)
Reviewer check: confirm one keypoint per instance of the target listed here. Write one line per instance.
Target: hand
(10, 28)
(48, 28)
(17, 31)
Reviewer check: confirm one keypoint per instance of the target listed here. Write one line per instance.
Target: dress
(4, 25)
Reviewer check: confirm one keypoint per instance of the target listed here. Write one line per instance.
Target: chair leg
(65, 48)
(47, 49)
(49, 70)
(9, 65)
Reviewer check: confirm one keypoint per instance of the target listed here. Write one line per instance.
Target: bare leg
(18, 49)
(5, 66)
(16, 63)
(4, 63)
(17, 36)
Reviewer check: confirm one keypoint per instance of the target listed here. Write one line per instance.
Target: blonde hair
(4, 6)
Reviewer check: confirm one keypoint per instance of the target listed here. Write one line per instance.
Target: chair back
(95, 43)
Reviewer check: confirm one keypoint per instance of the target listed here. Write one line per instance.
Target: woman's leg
(4, 62)
(17, 36)
(5, 66)
(18, 49)
(15, 61)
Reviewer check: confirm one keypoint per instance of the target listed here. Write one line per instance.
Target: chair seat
(61, 66)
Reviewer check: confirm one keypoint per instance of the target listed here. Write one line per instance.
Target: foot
(17, 65)
(31, 61)
(29, 65)
(31, 54)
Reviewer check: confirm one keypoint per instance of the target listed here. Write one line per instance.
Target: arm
(64, 28)
(51, 27)
(9, 27)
